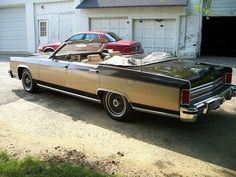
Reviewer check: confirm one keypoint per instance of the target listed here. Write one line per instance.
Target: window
(76, 37)
(43, 28)
(112, 37)
(91, 36)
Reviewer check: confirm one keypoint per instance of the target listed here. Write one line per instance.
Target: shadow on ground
(212, 139)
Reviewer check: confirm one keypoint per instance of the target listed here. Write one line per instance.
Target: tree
(205, 8)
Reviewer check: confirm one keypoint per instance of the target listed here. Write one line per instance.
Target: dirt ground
(55, 126)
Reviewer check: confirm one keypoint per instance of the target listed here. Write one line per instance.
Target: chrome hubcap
(116, 103)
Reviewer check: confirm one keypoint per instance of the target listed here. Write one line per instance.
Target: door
(156, 35)
(53, 72)
(116, 25)
(84, 77)
(43, 32)
(13, 35)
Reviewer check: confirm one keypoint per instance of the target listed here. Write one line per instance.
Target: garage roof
(87, 4)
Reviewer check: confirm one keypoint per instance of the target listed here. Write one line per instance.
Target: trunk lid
(197, 73)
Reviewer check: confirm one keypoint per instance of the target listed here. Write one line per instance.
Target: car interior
(89, 52)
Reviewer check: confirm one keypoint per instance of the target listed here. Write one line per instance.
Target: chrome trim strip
(201, 89)
(204, 85)
(69, 93)
(208, 93)
(156, 112)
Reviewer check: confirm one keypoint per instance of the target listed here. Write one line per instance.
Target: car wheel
(28, 83)
(116, 106)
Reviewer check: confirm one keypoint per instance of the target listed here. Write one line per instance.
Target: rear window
(112, 37)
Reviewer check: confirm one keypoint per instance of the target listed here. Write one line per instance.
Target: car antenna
(141, 65)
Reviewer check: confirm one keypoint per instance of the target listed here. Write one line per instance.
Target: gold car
(157, 83)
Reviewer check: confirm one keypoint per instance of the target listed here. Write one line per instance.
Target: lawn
(32, 167)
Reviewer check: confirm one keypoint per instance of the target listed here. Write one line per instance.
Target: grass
(32, 167)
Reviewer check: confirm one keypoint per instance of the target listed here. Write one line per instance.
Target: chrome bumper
(190, 114)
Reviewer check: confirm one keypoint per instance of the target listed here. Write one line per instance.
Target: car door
(53, 72)
(84, 77)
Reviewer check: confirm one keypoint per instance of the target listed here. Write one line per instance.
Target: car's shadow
(213, 139)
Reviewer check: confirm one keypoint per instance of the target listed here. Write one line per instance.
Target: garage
(218, 36)
(13, 35)
(218, 29)
(155, 35)
(116, 25)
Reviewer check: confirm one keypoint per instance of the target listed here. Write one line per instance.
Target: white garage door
(116, 25)
(13, 35)
(155, 35)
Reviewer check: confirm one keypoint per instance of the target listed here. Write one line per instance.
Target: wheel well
(20, 70)
(100, 94)
(48, 50)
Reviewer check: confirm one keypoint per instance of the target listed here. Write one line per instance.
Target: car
(126, 47)
(157, 83)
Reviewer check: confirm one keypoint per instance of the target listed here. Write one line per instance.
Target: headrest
(94, 57)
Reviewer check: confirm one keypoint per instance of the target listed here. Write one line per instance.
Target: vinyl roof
(87, 4)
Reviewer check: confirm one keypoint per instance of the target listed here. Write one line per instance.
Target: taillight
(228, 78)
(185, 96)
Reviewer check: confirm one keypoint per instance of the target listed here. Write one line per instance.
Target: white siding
(13, 35)
(223, 8)
(190, 32)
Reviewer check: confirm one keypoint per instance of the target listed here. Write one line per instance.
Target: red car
(126, 47)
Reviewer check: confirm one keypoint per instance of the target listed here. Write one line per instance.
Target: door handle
(64, 66)
(93, 70)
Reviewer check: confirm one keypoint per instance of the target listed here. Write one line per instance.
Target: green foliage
(205, 9)
(32, 167)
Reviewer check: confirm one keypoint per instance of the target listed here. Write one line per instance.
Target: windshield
(112, 37)
(79, 48)
(138, 60)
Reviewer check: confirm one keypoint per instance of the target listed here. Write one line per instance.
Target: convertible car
(157, 83)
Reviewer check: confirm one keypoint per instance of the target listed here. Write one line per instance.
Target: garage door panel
(159, 33)
(116, 25)
(155, 35)
(94, 24)
(159, 49)
(123, 33)
(169, 33)
(123, 23)
(148, 42)
(148, 23)
(105, 23)
(13, 36)
(149, 33)
(159, 43)
(169, 43)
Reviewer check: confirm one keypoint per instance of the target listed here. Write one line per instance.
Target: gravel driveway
(52, 125)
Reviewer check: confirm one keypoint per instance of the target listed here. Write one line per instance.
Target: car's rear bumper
(190, 114)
